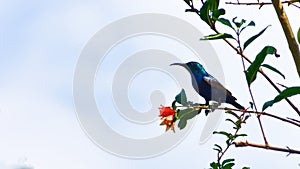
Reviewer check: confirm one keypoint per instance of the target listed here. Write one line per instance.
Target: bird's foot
(207, 111)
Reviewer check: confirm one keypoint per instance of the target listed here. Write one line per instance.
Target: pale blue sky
(39, 47)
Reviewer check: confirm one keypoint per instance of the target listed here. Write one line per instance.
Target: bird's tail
(237, 105)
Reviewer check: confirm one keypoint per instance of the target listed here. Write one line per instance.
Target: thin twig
(296, 6)
(267, 147)
(221, 154)
(259, 3)
(265, 114)
(249, 88)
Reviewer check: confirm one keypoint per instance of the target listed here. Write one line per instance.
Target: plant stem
(249, 88)
(245, 144)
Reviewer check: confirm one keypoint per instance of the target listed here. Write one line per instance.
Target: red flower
(167, 115)
(166, 111)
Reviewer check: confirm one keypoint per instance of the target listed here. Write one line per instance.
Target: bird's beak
(179, 64)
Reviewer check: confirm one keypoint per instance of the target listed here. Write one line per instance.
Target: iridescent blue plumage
(208, 86)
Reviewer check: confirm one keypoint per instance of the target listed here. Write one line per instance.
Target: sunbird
(207, 86)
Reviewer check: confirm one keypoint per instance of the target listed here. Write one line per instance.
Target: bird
(207, 86)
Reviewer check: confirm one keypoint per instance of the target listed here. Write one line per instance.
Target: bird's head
(193, 67)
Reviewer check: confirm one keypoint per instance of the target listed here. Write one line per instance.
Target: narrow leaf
(204, 13)
(219, 148)
(249, 24)
(217, 36)
(254, 67)
(227, 161)
(238, 24)
(291, 91)
(267, 104)
(225, 22)
(228, 166)
(273, 69)
(250, 40)
(228, 135)
(213, 4)
(230, 121)
(233, 113)
(252, 23)
(240, 135)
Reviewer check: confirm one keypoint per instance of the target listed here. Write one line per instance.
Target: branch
(293, 45)
(248, 60)
(245, 144)
(262, 3)
(288, 120)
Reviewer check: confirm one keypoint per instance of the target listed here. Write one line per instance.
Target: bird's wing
(217, 85)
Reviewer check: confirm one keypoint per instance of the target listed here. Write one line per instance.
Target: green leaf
(249, 24)
(204, 12)
(217, 13)
(267, 104)
(246, 117)
(238, 123)
(228, 166)
(213, 4)
(250, 40)
(251, 105)
(288, 92)
(181, 98)
(228, 135)
(218, 148)
(246, 168)
(217, 36)
(273, 69)
(254, 67)
(185, 115)
(298, 35)
(210, 7)
(238, 24)
(182, 124)
(240, 135)
(214, 165)
(227, 161)
(225, 22)
(232, 113)
(230, 121)
(252, 23)
(191, 10)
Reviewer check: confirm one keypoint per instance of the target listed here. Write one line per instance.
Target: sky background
(39, 47)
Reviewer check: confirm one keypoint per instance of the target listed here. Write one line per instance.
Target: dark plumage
(207, 86)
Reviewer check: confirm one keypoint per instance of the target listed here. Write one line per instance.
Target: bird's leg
(207, 110)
